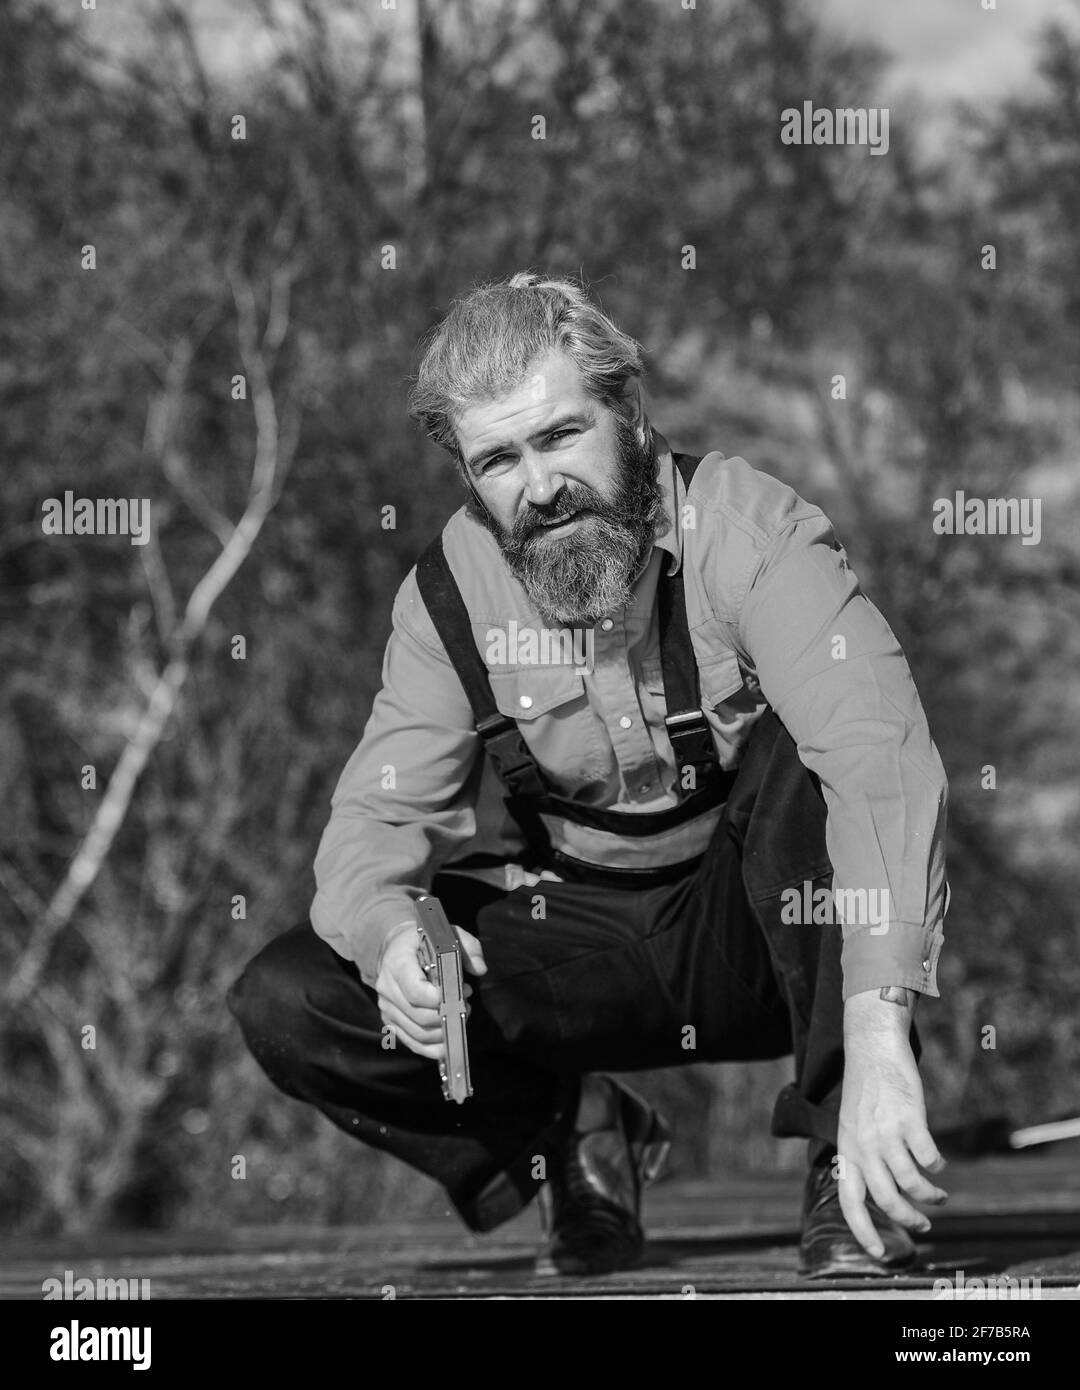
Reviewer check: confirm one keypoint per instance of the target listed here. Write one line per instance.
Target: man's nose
(542, 481)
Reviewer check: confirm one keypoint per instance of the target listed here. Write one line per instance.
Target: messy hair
(484, 346)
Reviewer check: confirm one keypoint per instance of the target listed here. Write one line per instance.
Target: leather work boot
(590, 1206)
(828, 1246)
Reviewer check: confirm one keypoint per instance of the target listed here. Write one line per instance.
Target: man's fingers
(402, 1023)
(434, 1053)
(401, 974)
(918, 1187)
(418, 991)
(925, 1151)
(883, 1190)
(427, 1041)
(852, 1191)
(473, 951)
(419, 1020)
(420, 1014)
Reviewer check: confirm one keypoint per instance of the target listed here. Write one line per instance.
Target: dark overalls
(609, 970)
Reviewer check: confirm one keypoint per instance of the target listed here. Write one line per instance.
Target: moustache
(536, 520)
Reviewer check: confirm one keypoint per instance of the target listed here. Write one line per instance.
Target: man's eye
(561, 434)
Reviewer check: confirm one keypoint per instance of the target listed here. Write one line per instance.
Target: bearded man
(664, 765)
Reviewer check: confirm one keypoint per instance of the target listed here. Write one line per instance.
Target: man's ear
(474, 504)
(632, 406)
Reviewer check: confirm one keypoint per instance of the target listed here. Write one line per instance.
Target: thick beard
(574, 580)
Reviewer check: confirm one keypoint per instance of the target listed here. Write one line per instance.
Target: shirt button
(525, 702)
(644, 788)
(608, 624)
(625, 722)
(926, 965)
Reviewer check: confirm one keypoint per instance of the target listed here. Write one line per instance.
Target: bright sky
(953, 48)
(942, 48)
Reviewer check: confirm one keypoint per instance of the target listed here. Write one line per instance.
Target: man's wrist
(888, 1009)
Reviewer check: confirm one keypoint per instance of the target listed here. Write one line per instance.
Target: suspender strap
(687, 727)
(503, 743)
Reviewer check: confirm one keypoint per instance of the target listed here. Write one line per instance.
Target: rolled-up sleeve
(833, 671)
(406, 798)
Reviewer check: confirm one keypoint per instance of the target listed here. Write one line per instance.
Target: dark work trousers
(580, 979)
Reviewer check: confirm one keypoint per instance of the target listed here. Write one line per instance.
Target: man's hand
(883, 1139)
(408, 1000)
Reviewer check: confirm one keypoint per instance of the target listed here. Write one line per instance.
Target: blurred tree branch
(273, 447)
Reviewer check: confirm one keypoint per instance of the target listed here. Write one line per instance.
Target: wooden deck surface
(732, 1237)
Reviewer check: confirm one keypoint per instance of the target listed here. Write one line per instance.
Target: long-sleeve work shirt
(776, 618)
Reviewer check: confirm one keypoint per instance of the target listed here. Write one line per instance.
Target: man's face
(566, 487)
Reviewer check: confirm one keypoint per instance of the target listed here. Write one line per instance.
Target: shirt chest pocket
(726, 690)
(551, 707)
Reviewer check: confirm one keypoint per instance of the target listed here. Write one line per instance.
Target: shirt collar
(673, 490)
